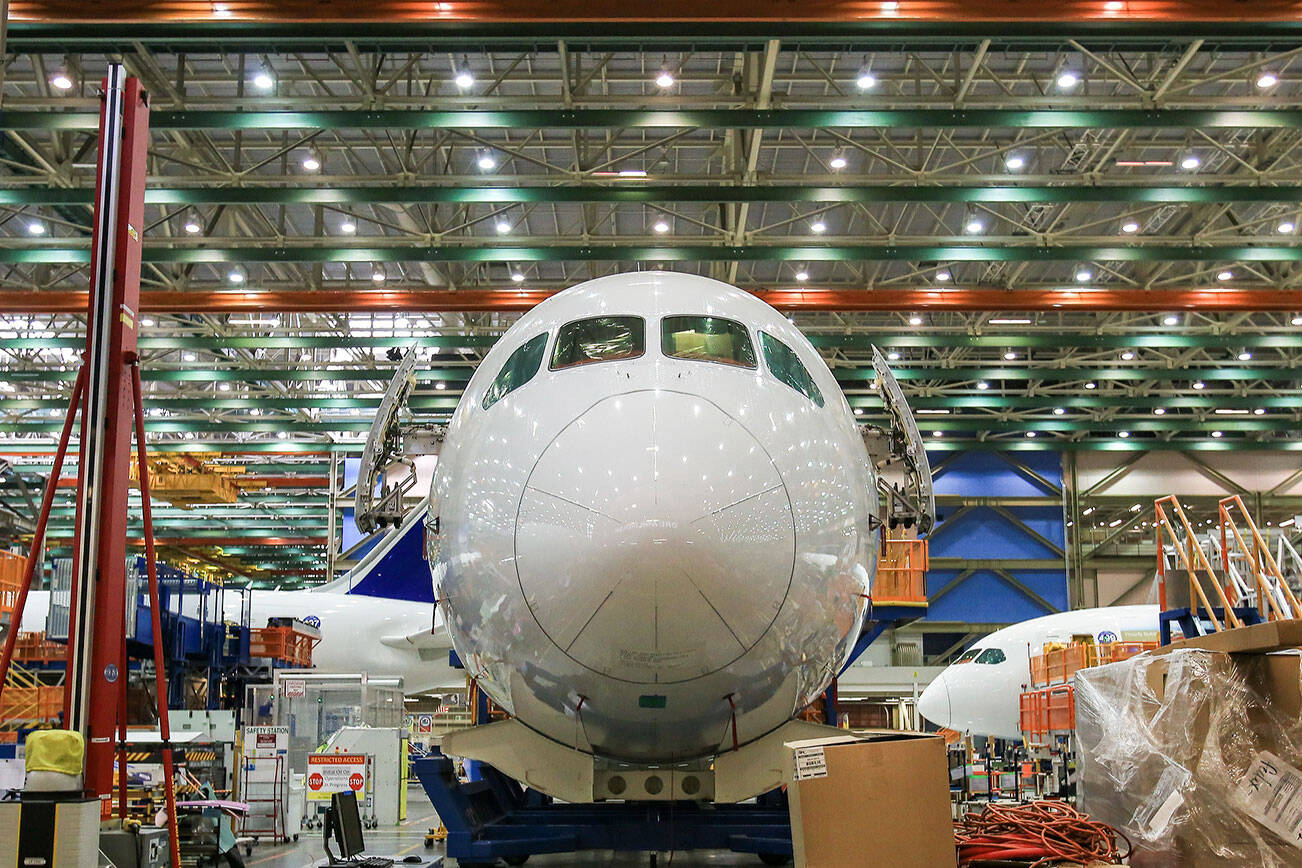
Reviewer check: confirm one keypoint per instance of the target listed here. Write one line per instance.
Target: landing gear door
(913, 500)
(385, 463)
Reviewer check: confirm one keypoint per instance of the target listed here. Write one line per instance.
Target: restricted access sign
(335, 773)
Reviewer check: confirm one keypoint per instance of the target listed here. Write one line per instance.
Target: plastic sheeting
(1195, 756)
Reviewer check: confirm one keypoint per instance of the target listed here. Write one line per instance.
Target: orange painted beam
(664, 11)
(979, 299)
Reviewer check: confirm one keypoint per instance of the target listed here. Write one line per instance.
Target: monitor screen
(348, 824)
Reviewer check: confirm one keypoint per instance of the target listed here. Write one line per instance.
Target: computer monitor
(348, 824)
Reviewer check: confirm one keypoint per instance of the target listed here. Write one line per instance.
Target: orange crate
(284, 644)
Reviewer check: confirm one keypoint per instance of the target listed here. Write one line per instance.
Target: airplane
(653, 529)
(978, 693)
(366, 625)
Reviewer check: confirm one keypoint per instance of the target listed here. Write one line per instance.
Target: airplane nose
(650, 527)
(933, 704)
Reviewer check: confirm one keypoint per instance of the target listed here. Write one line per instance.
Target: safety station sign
(335, 773)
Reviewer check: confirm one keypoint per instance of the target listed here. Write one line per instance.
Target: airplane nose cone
(655, 540)
(933, 704)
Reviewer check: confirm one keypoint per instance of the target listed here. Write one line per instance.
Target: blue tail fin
(395, 568)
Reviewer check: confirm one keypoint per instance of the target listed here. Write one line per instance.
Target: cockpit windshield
(599, 339)
(708, 339)
(968, 656)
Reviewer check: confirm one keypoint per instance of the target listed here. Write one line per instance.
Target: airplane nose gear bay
(645, 557)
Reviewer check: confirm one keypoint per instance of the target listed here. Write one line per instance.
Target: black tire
(775, 859)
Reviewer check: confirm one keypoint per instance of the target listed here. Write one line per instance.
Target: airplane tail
(394, 568)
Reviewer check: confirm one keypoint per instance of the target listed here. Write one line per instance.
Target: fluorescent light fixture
(1114, 523)
(632, 173)
(931, 412)
(1010, 321)
(1228, 411)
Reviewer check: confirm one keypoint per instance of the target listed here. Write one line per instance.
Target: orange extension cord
(1041, 833)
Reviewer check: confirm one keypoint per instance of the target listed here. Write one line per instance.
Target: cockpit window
(968, 656)
(707, 338)
(787, 367)
(599, 339)
(990, 656)
(519, 369)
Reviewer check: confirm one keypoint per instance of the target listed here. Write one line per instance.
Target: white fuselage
(979, 696)
(637, 554)
(358, 633)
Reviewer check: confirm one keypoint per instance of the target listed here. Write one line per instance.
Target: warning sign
(425, 724)
(294, 689)
(335, 773)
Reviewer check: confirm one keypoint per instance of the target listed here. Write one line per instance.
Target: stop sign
(355, 781)
(315, 781)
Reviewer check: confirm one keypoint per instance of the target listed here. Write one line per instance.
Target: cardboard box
(871, 800)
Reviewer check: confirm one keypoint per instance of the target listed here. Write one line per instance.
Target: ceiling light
(1128, 355)
(1130, 227)
(1245, 356)
(858, 411)
(377, 273)
(937, 434)
(348, 227)
(193, 225)
(943, 275)
(146, 321)
(818, 227)
(1199, 385)
(1230, 411)
(503, 227)
(61, 81)
(1010, 356)
(893, 356)
(237, 275)
(838, 161)
(1091, 385)
(1013, 162)
(1067, 80)
(1225, 275)
(1285, 227)
(661, 227)
(517, 276)
(440, 385)
(1030, 434)
(187, 357)
(35, 228)
(486, 162)
(1267, 79)
(1159, 411)
(1217, 434)
(982, 385)
(866, 80)
(263, 81)
(802, 275)
(1297, 320)
(1113, 6)
(974, 225)
(1084, 275)
(1189, 162)
(1058, 411)
(311, 160)
(930, 411)
(282, 435)
(1260, 411)
(915, 320)
(1123, 434)
(1010, 321)
(1170, 319)
(665, 79)
(464, 78)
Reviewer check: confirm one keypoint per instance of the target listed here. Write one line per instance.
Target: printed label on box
(1272, 794)
(811, 762)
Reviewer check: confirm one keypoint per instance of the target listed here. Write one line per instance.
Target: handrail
(1260, 554)
(1163, 522)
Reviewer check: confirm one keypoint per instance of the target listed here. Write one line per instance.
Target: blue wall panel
(980, 533)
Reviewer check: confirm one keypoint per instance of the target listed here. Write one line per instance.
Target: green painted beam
(996, 250)
(848, 376)
(638, 191)
(1170, 338)
(723, 119)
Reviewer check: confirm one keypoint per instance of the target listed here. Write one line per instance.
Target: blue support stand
(496, 818)
(1192, 623)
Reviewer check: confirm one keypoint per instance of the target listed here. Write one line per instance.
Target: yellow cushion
(56, 750)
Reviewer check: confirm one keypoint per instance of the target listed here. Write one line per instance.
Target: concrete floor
(408, 840)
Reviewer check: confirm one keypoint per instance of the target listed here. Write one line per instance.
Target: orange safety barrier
(1047, 710)
(31, 703)
(11, 579)
(284, 644)
(1115, 652)
(1058, 665)
(901, 572)
(35, 648)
